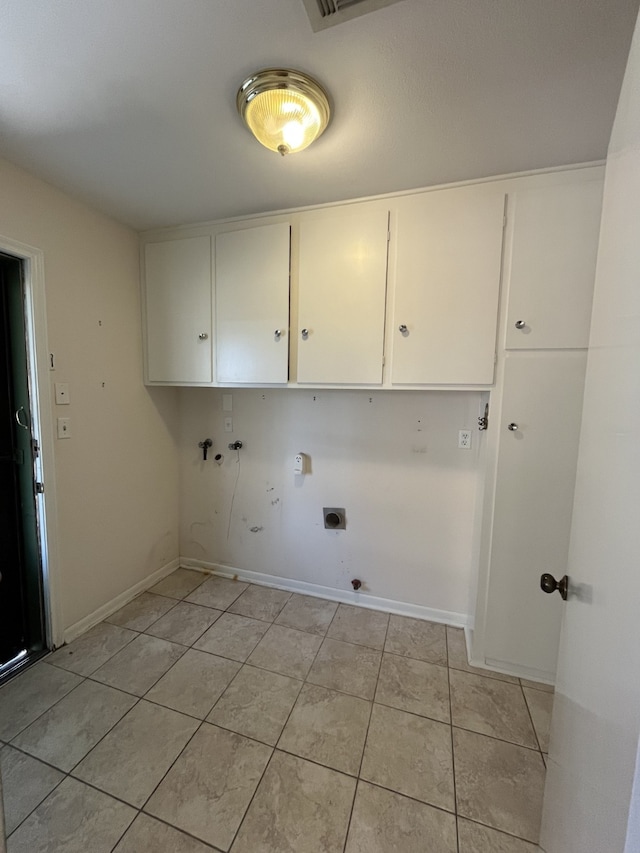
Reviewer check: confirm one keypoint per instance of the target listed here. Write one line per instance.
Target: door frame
(39, 367)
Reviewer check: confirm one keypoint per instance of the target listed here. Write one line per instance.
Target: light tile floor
(210, 714)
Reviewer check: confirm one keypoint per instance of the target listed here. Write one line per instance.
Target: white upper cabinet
(447, 285)
(553, 262)
(342, 278)
(178, 311)
(252, 305)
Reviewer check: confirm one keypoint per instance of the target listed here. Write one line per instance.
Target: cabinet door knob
(512, 427)
(278, 333)
(403, 329)
(203, 336)
(520, 324)
(305, 334)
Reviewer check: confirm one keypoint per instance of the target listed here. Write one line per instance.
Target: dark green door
(21, 594)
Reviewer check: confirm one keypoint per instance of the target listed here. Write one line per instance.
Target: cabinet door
(342, 291)
(533, 505)
(252, 305)
(447, 284)
(553, 264)
(178, 310)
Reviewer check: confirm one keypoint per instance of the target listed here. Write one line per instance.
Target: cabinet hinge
(388, 236)
(495, 358)
(383, 361)
(504, 221)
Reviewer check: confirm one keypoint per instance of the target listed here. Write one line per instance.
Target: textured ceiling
(130, 104)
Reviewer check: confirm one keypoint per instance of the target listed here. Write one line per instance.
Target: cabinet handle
(512, 427)
(403, 329)
(520, 324)
(278, 333)
(305, 334)
(203, 336)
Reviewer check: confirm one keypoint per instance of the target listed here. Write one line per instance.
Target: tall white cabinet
(535, 415)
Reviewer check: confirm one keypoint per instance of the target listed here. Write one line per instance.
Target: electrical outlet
(464, 439)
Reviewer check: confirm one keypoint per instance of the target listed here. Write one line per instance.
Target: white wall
(390, 458)
(117, 476)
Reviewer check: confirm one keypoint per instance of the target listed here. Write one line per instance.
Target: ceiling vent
(328, 13)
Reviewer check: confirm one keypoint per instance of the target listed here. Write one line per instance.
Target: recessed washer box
(334, 518)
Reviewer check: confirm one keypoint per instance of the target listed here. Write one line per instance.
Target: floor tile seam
(98, 742)
(103, 792)
(418, 660)
(23, 751)
(175, 828)
(142, 630)
(495, 829)
(170, 610)
(46, 797)
(530, 686)
(304, 682)
(35, 720)
(414, 714)
(533, 725)
(453, 753)
(413, 657)
(213, 707)
(316, 761)
(484, 673)
(366, 737)
(217, 725)
(459, 725)
(147, 633)
(338, 690)
(122, 690)
(191, 716)
(376, 701)
(252, 798)
(127, 828)
(170, 768)
(413, 799)
(93, 671)
(271, 622)
(142, 696)
(533, 749)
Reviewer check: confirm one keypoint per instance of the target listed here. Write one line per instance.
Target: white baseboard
(119, 601)
(417, 611)
(505, 667)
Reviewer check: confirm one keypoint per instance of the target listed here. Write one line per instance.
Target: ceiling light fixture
(284, 109)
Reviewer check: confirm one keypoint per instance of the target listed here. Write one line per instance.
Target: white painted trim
(119, 601)
(151, 234)
(417, 611)
(505, 668)
(42, 418)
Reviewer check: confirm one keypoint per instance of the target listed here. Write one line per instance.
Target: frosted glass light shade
(285, 110)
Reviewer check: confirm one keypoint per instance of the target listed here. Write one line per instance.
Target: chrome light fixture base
(286, 110)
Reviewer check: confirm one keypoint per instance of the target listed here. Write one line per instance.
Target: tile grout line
(533, 725)
(453, 755)
(366, 737)
(275, 748)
